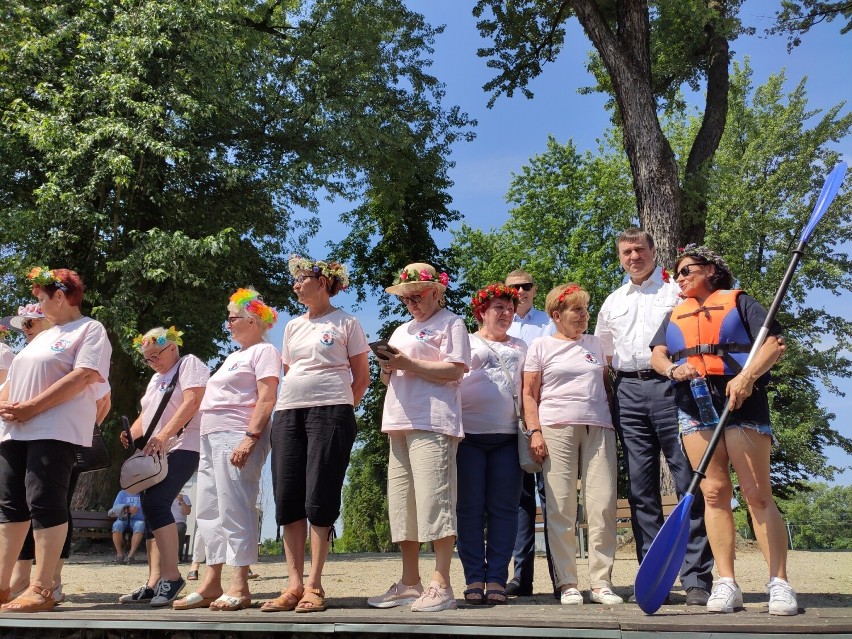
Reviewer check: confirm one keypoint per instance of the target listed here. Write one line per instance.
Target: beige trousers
(589, 452)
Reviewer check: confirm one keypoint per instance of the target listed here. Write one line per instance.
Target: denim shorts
(688, 424)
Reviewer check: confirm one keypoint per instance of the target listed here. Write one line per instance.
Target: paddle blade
(662, 562)
(826, 197)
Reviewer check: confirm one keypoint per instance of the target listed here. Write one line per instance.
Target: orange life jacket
(710, 336)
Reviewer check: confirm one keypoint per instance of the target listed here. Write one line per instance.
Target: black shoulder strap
(140, 443)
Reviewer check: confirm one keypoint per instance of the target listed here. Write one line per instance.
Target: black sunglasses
(527, 286)
(28, 324)
(684, 270)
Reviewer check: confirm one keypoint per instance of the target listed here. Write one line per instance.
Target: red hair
(70, 280)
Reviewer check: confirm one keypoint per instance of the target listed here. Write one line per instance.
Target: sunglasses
(414, 299)
(526, 286)
(684, 270)
(28, 324)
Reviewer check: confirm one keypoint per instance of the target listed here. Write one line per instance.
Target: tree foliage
(820, 517)
(171, 151)
(797, 17)
(644, 55)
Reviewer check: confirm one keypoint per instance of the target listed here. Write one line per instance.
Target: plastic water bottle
(701, 393)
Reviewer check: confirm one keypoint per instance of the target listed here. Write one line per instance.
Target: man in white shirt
(528, 324)
(646, 415)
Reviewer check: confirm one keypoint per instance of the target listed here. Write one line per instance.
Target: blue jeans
(489, 489)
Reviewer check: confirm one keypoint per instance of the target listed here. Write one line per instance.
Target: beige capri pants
(422, 486)
(588, 451)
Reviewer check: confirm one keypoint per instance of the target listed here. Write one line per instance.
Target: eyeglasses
(300, 279)
(502, 309)
(684, 271)
(414, 299)
(28, 324)
(155, 358)
(527, 286)
(233, 318)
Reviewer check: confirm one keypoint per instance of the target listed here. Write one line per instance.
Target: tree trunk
(97, 490)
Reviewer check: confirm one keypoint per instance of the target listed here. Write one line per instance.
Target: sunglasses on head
(684, 270)
(527, 286)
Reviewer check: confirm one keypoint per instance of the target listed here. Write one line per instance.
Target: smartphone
(383, 344)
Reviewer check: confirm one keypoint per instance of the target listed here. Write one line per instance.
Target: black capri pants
(310, 453)
(28, 550)
(157, 500)
(34, 480)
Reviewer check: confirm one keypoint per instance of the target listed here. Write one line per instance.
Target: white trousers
(227, 499)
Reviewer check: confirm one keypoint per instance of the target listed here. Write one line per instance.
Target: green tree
(797, 17)
(172, 151)
(644, 53)
(820, 516)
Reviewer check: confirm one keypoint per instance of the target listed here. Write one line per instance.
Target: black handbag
(94, 457)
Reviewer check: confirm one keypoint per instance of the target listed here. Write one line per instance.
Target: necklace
(313, 319)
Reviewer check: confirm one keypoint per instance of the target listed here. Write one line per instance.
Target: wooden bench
(622, 514)
(92, 524)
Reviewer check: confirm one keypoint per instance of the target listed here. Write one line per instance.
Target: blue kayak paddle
(661, 565)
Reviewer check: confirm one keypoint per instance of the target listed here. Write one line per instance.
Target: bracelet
(254, 436)
(671, 369)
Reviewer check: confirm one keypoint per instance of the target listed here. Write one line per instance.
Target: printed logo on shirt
(234, 366)
(590, 357)
(163, 386)
(424, 335)
(327, 337)
(60, 345)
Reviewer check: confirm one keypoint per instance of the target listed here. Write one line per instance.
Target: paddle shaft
(699, 473)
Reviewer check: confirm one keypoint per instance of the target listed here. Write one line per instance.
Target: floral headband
(4, 331)
(252, 302)
(568, 291)
(484, 296)
(412, 275)
(171, 335)
(43, 276)
(331, 270)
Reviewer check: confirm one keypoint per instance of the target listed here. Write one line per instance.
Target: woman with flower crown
(177, 435)
(326, 372)
(487, 458)
(567, 408)
(235, 412)
(422, 369)
(48, 406)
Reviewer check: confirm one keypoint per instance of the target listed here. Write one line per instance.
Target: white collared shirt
(631, 316)
(536, 323)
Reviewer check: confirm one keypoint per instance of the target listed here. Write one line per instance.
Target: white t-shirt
(177, 511)
(231, 393)
(487, 404)
(572, 385)
(317, 354)
(6, 357)
(52, 355)
(193, 374)
(414, 403)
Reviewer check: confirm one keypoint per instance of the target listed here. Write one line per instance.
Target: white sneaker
(782, 598)
(571, 597)
(726, 596)
(606, 597)
(397, 595)
(434, 599)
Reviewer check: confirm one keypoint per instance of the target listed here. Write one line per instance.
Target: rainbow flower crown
(252, 302)
(412, 275)
(171, 335)
(332, 270)
(484, 296)
(43, 276)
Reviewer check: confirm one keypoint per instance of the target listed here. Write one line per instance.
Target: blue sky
(515, 129)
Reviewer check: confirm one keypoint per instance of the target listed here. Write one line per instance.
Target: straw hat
(29, 311)
(416, 275)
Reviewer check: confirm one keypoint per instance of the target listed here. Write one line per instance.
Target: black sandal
(496, 597)
(474, 596)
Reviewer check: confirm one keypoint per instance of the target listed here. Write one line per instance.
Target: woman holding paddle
(710, 335)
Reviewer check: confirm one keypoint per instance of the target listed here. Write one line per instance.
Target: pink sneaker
(434, 599)
(397, 595)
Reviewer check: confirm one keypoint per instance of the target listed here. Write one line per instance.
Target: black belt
(646, 374)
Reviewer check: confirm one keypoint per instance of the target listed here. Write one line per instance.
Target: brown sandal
(313, 596)
(33, 599)
(285, 602)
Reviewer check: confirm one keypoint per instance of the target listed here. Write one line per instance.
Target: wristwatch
(254, 436)
(529, 432)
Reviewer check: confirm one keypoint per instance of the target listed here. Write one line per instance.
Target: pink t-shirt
(414, 403)
(193, 374)
(572, 385)
(52, 355)
(487, 404)
(317, 354)
(6, 357)
(231, 393)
